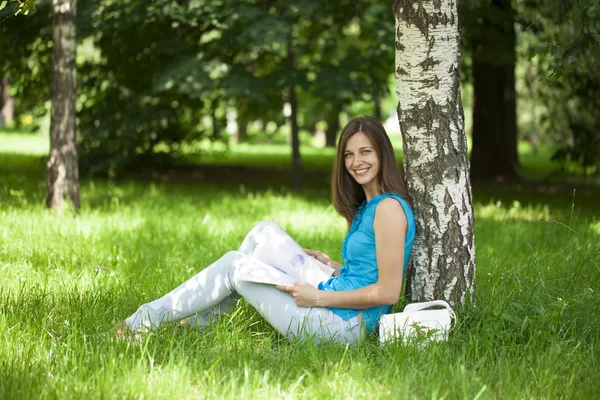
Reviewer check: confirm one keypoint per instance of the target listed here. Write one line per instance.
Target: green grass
(64, 280)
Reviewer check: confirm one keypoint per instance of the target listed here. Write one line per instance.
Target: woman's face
(361, 160)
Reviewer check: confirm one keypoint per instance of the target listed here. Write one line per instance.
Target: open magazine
(282, 261)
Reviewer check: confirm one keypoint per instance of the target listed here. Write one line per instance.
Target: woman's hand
(304, 294)
(324, 258)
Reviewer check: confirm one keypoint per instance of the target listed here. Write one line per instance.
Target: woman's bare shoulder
(389, 210)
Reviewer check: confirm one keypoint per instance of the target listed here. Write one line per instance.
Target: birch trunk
(297, 167)
(435, 149)
(62, 169)
(7, 104)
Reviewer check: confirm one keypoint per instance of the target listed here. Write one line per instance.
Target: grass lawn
(533, 332)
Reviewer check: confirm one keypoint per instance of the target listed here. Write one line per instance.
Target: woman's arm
(390, 230)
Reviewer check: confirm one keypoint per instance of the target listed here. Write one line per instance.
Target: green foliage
(563, 44)
(155, 75)
(26, 58)
(65, 280)
(19, 6)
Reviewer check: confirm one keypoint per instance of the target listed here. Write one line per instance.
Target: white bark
(7, 103)
(435, 151)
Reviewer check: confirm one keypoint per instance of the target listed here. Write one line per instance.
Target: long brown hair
(347, 194)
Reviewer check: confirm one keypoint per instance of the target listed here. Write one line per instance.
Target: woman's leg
(201, 293)
(298, 323)
(265, 233)
(219, 281)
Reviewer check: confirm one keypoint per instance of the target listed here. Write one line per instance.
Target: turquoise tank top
(360, 259)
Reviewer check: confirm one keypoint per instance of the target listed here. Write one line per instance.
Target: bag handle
(420, 306)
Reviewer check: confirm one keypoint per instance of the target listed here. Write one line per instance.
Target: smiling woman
(369, 193)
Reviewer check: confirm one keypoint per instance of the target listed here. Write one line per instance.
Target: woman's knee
(263, 226)
(232, 256)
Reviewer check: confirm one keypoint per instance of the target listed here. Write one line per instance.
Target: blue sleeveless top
(360, 259)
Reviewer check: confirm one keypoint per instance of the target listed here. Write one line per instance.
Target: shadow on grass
(23, 183)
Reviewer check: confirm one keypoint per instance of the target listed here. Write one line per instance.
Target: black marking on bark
(447, 201)
(418, 17)
(428, 63)
(399, 45)
(401, 71)
(430, 44)
(452, 19)
(444, 19)
(437, 4)
(434, 20)
(430, 47)
(452, 243)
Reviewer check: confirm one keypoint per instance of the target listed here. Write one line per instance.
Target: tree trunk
(62, 168)
(435, 150)
(494, 152)
(7, 104)
(296, 160)
(216, 135)
(242, 122)
(242, 130)
(333, 125)
(378, 108)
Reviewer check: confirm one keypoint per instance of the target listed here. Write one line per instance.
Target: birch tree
(435, 149)
(62, 169)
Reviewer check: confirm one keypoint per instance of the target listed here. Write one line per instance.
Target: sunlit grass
(66, 279)
(24, 143)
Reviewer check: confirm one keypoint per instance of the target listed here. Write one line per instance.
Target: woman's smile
(362, 162)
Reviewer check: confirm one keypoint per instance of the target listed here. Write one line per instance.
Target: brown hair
(347, 194)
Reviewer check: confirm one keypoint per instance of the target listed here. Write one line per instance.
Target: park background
(184, 125)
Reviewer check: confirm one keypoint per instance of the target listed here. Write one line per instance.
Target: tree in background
(491, 41)
(62, 181)
(7, 103)
(435, 150)
(157, 77)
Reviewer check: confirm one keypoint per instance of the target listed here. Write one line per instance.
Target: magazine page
(284, 254)
(259, 272)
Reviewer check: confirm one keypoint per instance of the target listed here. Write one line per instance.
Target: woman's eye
(348, 155)
(366, 151)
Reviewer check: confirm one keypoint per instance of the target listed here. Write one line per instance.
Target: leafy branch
(21, 7)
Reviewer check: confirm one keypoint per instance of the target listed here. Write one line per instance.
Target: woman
(369, 192)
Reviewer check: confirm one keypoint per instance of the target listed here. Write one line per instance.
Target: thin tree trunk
(215, 121)
(333, 125)
(62, 168)
(7, 104)
(378, 107)
(242, 130)
(296, 159)
(494, 152)
(435, 150)
(494, 131)
(242, 122)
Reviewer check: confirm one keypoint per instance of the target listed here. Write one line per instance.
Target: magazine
(282, 261)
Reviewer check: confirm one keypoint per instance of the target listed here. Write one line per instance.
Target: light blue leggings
(214, 291)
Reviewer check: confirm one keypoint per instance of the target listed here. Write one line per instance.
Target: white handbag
(417, 324)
